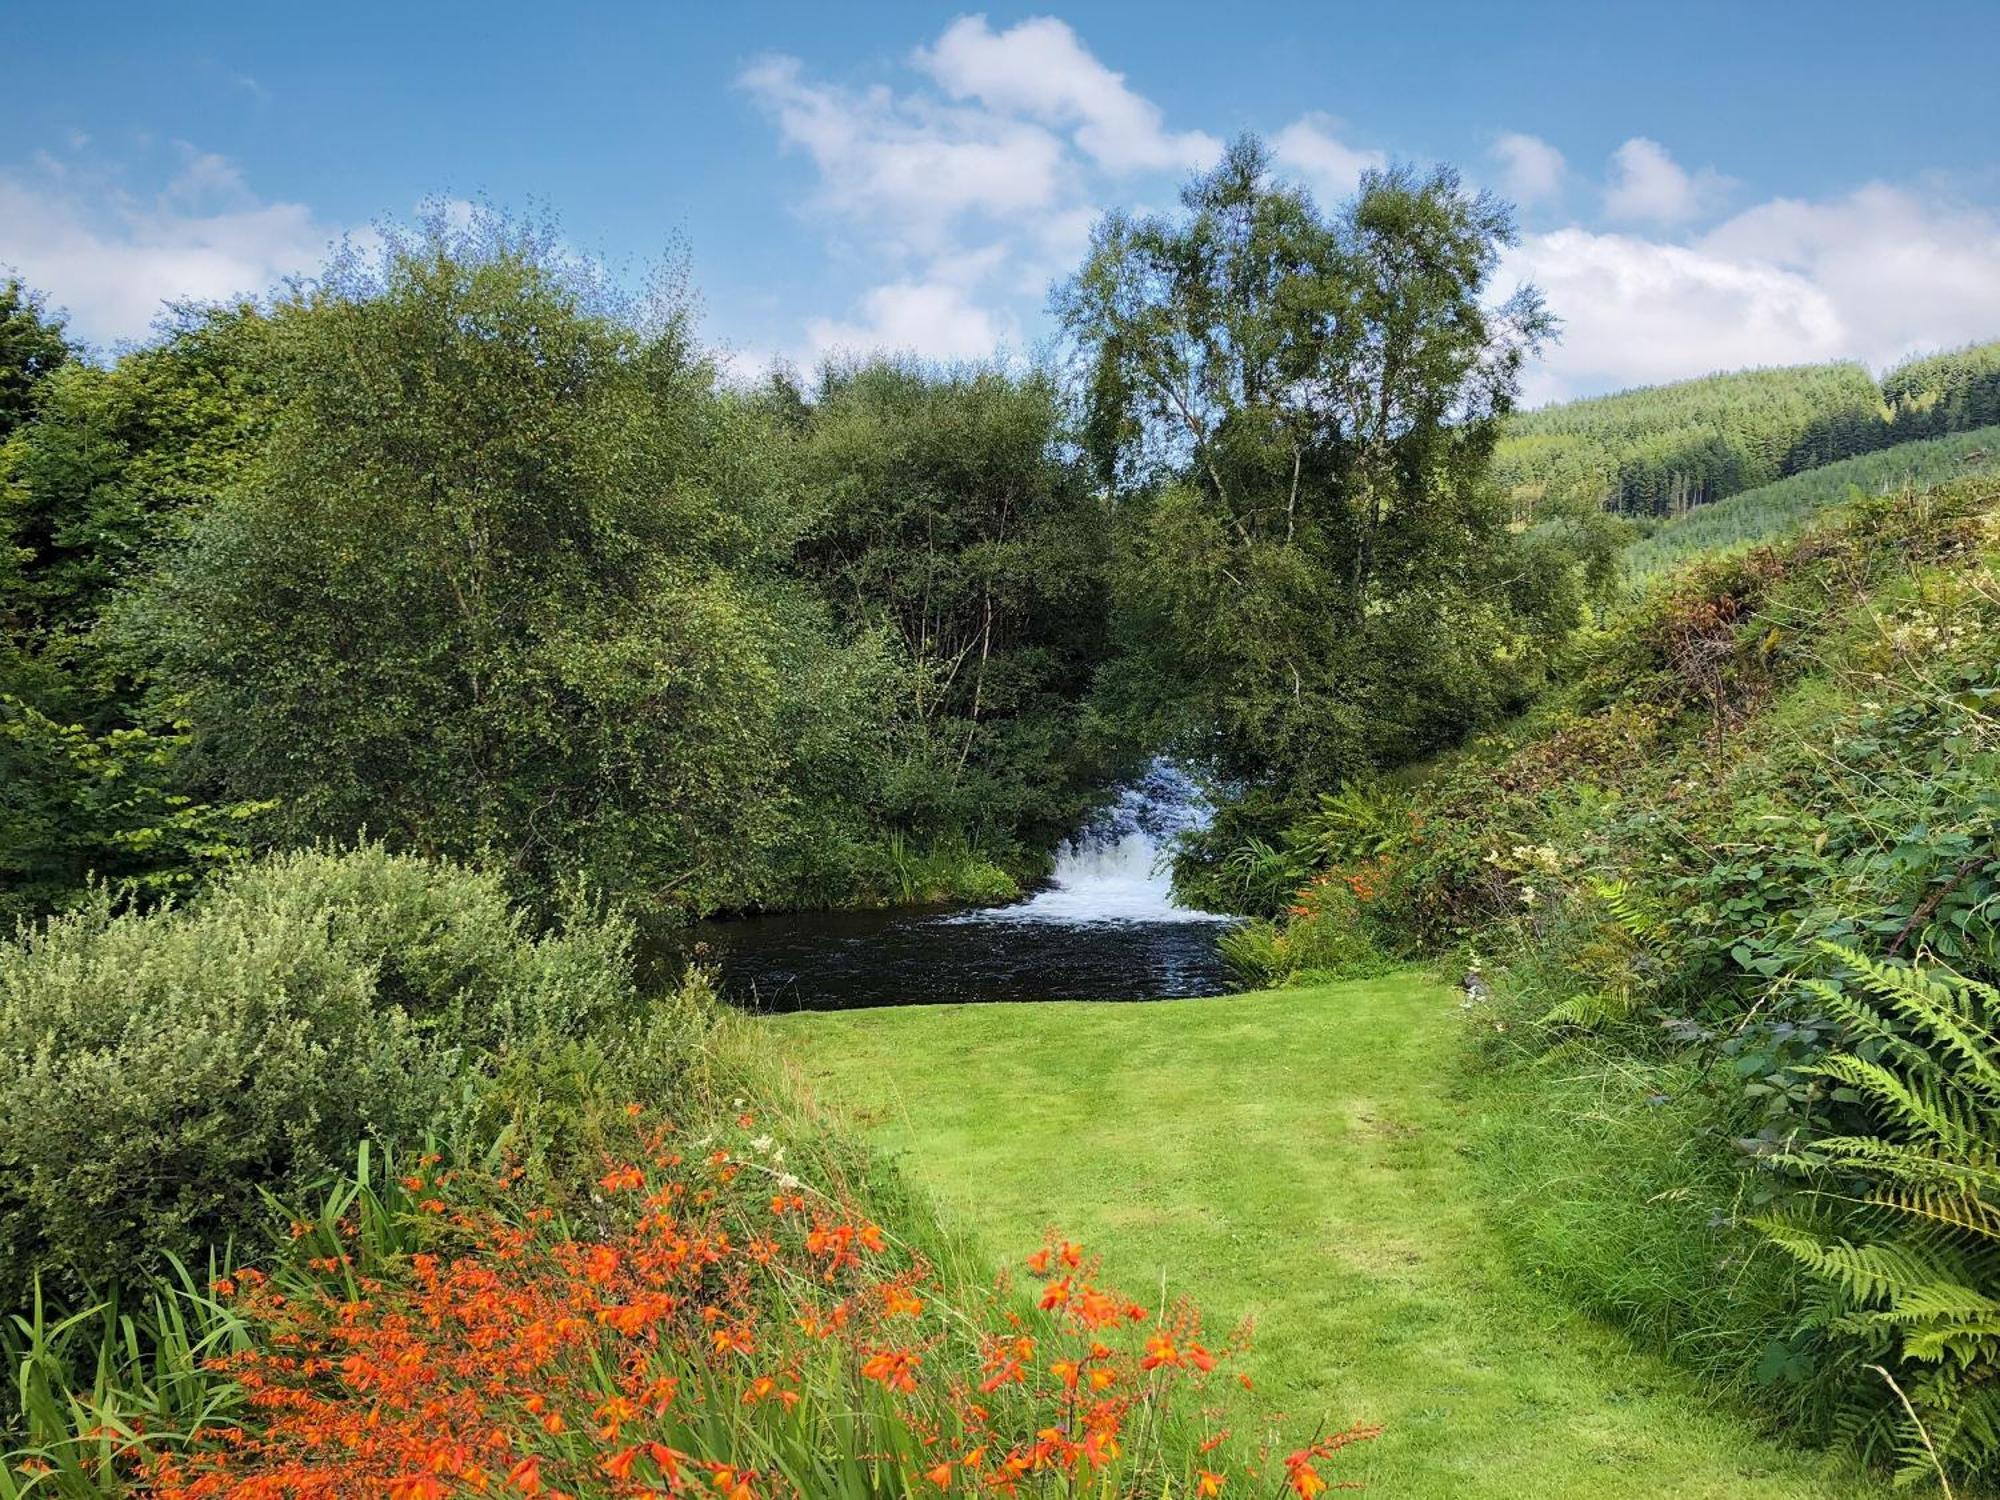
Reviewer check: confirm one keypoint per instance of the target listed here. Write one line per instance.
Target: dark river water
(1105, 928)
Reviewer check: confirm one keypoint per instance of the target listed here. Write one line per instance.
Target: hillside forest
(390, 662)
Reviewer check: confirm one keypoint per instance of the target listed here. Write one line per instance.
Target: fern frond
(1868, 1273)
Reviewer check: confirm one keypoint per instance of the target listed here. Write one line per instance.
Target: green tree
(947, 518)
(93, 486)
(1297, 412)
(32, 344)
(502, 584)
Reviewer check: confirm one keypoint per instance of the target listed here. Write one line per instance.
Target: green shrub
(157, 1070)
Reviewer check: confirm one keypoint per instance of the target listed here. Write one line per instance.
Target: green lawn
(1295, 1156)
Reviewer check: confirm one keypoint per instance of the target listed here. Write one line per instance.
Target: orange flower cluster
(694, 1333)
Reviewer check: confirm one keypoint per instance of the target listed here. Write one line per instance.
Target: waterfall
(1115, 870)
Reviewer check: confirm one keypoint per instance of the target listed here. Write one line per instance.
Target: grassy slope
(1295, 1156)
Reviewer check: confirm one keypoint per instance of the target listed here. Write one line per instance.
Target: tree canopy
(1296, 410)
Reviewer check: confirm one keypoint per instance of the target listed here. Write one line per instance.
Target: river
(1104, 927)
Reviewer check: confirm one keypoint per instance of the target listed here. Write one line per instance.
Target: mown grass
(1302, 1157)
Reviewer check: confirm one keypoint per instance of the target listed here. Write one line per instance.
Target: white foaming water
(1116, 871)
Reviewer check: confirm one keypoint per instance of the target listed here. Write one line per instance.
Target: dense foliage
(945, 515)
(159, 1067)
(1741, 876)
(93, 772)
(1774, 511)
(1295, 411)
(1951, 392)
(1664, 449)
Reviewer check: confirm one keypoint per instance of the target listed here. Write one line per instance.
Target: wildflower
(622, 1180)
(895, 1368)
(619, 1465)
(940, 1476)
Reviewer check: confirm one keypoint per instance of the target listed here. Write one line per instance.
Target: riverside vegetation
(383, 661)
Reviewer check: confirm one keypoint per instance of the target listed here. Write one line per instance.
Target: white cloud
(1309, 150)
(974, 182)
(910, 168)
(1040, 69)
(1876, 275)
(113, 257)
(1908, 272)
(1648, 184)
(933, 319)
(1532, 170)
(1636, 312)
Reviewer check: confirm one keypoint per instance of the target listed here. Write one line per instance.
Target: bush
(157, 1070)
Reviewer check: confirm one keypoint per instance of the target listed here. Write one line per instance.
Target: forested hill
(1661, 450)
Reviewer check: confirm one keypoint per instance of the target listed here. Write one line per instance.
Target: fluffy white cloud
(1876, 275)
(909, 168)
(975, 182)
(930, 318)
(1648, 184)
(1040, 69)
(113, 257)
(1532, 170)
(1908, 271)
(1635, 312)
(1309, 150)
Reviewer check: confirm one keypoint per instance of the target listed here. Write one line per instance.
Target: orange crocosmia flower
(1208, 1484)
(732, 1483)
(1055, 1294)
(1066, 1371)
(668, 1459)
(600, 1263)
(1096, 1308)
(418, 1487)
(1072, 1255)
(1160, 1351)
(895, 1368)
(613, 1415)
(526, 1476)
(899, 1303)
(619, 1465)
(1039, 1261)
(940, 1476)
(622, 1180)
(1303, 1478)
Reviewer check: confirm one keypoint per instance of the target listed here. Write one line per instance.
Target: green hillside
(1773, 511)
(1662, 450)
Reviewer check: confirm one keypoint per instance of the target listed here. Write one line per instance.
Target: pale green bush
(158, 1070)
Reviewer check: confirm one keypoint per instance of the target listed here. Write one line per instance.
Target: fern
(1906, 1238)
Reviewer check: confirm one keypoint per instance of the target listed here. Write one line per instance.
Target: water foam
(1116, 870)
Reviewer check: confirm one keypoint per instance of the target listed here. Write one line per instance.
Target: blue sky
(1701, 186)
